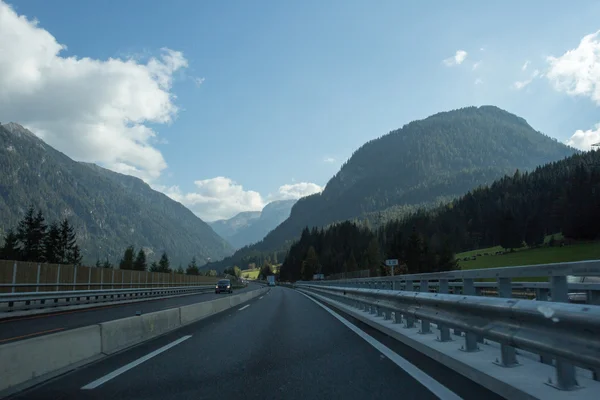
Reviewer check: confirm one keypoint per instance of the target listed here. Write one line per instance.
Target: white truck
(271, 280)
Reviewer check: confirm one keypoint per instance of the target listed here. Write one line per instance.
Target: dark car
(224, 285)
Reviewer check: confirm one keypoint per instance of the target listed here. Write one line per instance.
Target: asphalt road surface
(281, 345)
(36, 325)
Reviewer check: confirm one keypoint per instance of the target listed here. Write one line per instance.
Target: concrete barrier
(29, 359)
(195, 312)
(122, 333)
(23, 362)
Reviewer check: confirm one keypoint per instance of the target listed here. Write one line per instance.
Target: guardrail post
(508, 355)
(469, 290)
(541, 294)
(410, 320)
(58, 277)
(593, 297)
(425, 325)
(37, 279)
(74, 277)
(444, 330)
(14, 277)
(565, 371)
(471, 338)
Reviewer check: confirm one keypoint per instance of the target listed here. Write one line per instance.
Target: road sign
(391, 263)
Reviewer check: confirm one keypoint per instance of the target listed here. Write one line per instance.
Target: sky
(226, 106)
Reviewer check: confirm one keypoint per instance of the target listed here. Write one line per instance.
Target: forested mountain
(425, 162)
(516, 210)
(249, 227)
(109, 211)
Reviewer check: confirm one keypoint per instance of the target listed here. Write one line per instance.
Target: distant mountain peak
(251, 226)
(19, 130)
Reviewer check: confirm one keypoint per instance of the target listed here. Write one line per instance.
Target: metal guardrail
(566, 335)
(35, 300)
(571, 281)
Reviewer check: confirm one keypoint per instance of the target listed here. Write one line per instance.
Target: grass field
(253, 273)
(542, 255)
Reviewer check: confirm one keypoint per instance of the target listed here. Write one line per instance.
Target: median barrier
(125, 332)
(195, 312)
(29, 359)
(28, 362)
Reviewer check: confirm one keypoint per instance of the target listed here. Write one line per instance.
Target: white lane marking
(431, 384)
(243, 308)
(133, 364)
(261, 297)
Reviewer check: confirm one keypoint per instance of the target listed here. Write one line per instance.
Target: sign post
(391, 263)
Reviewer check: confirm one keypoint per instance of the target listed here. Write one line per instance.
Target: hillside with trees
(107, 209)
(517, 210)
(426, 162)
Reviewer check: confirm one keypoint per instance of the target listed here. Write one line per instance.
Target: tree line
(137, 261)
(35, 240)
(515, 211)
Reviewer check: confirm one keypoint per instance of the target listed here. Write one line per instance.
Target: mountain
(226, 228)
(251, 226)
(514, 211)
(425, 162)
(109, 210)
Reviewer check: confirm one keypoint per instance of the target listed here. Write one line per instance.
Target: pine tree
(10, 250)
(163, 264)
(98, 263)
(351, 264)
(74, 256)
(154, 267)
(310, 264)
(67, 242)
(192, 268)
(127, 260)
(106, 264)
(373, 257)
(140, 261)
(52, 244)
(31, 232)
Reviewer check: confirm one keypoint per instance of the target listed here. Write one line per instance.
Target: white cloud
(198, 81)
(92, 110)
(524, 67)
(296, 191)
(222, 198)
(477, 65)
(577, 72)
(478, 81)
(329, 160)
(583, 140)
(521, 84)
(457, 59)
(217, 198)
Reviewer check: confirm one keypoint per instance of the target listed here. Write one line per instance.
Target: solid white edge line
(133, 364)
(260, 297)
(427, 381)
(243, 308)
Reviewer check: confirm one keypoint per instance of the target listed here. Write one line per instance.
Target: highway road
(36, 325)
(281, 345)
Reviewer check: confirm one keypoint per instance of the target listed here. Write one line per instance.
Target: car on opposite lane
(223, 286)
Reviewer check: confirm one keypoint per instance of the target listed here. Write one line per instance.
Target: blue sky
(290, 89)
